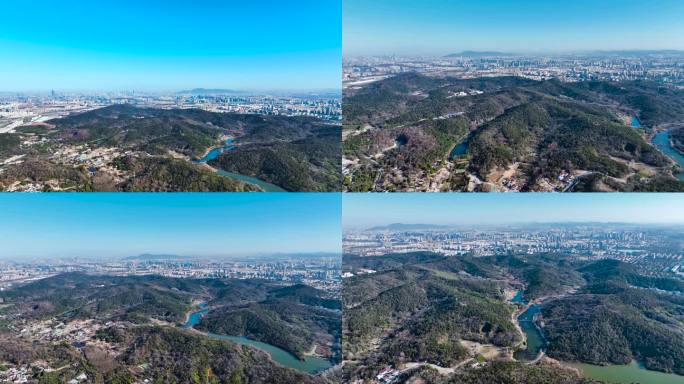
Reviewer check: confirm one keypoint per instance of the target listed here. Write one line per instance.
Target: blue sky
(170, 45)
(447, 26)
(366, 210)
(191, 224)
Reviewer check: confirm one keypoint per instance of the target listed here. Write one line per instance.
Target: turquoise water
(229, 146)
(310, 364)
(627, 374)
(195, 317)
(519, 298)
(214, 153)
(268, 187)
(636, 123)
(633, 373)
(459, 150)
(662, 141)
(535, 340)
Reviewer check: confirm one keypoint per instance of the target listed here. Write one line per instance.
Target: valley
(94, 328)
(126, 148)
(510, 134)
(424, 317)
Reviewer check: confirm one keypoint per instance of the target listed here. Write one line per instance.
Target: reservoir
(518, 298)
(267, 187)
(535, 339)
(614, 374)
(459, 150)
(627, 374)
(229, 145)
(662, 141)
(311, 364)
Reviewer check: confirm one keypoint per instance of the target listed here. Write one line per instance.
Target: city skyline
(362, 211)
(78, 45)
(214, 225)
(437, 27)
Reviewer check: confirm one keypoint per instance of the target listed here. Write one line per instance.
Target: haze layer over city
(171, 235)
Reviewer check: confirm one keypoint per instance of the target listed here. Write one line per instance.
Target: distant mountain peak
(208, 91)
(479, 54)
(150, 256)
(407, 227)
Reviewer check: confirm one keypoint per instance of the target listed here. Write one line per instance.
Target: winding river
(311, 364)
(618, 374)
(535, 339)
(662, 141)
(460, 149)
(229, 145)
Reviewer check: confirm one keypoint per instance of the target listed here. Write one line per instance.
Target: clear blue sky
(367, 210)
(170, 44)
(192, 224)
(437, 27)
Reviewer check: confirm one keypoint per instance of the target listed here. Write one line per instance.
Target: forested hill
(420, 308)
(298, 161)
(402, 134)
(126, 329)
(127, 148)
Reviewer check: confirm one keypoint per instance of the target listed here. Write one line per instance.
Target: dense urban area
(657, 250)
(17, 109)
(661, 66)
(319, 271)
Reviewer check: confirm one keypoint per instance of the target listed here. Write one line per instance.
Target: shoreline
(224, 138)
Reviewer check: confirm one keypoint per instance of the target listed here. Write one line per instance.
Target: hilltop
(126, 148)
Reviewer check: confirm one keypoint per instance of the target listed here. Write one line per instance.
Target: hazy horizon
(518, 224)
(363, 211)
(548, 52)
(441, 27)
(242, 92)
(115, 225)
(184, 256)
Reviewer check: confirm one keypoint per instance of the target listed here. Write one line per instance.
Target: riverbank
(525, 320)
(310, 364)
(618, 374)
(229, 144)
(663, 141)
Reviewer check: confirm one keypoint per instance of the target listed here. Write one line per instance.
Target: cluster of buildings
(17, 109)
(655, 251)
(663, 67)
(319, 272)
(17, 375)
(76, 332)
(326, 108)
